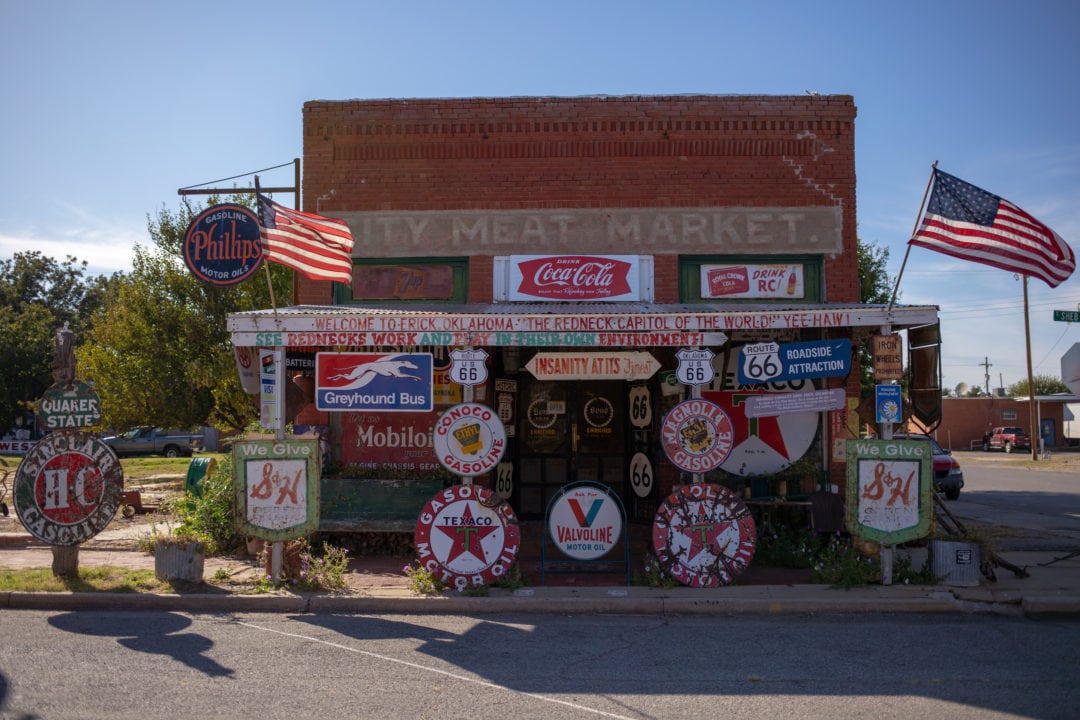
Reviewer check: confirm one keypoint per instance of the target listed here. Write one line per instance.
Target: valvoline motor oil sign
(388, 382)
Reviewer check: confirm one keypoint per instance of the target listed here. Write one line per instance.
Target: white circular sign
(585, 522)
(640, 406)
(641, 474)
(469, 439)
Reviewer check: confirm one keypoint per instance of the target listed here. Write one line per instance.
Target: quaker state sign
(68, 487)
(703, 535)
(469, 439)
(697, 435)
(467, 535)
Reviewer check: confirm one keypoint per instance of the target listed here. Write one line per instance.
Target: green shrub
(211, 513)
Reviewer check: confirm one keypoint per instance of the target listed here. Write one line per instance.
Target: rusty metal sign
(467, 535)
(276, 483)
(886, 351)
(68, 487)
(704, 535)
(697, 435)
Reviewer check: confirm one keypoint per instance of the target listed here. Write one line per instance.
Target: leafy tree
(875, 288)
(37, 296)
(1044, 385)
(159, 350)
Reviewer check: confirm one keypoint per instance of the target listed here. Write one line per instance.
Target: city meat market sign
(222, 245)
(703, 535)
(68, 487)
(467, 535)
(593, 366)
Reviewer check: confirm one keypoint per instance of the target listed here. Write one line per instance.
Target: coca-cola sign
(587, 278)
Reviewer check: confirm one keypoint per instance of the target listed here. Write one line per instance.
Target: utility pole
(986, 372)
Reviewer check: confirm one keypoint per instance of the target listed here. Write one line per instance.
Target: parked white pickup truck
(154, 441)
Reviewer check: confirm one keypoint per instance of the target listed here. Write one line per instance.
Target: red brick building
(731, 220)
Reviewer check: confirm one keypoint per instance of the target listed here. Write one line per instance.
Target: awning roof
(551, 324)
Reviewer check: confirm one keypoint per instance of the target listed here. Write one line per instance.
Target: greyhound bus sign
(388, 382)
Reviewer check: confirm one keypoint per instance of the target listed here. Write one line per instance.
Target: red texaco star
(466, 537)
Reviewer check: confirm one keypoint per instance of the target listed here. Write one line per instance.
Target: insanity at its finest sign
(585, 521)
(68, 487)
(697, 435)
(222, 245)
(704, 535)
(469, 439)
(467, 535)
(277, 487)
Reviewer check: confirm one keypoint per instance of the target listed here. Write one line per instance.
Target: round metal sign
(469, 439)
(704, 535)
(68, 487)
(697, 435)
(641, 474)
(585, 521)
(222, 245)
(467, 535)
(69, 407)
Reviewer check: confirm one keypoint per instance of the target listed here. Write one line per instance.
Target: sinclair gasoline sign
(68, 487)
(222, 245)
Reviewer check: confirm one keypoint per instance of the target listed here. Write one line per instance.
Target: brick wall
(587, 152)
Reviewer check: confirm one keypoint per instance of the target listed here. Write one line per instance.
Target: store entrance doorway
(569, 431)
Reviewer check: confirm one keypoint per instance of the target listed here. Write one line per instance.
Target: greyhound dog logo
(364, 373)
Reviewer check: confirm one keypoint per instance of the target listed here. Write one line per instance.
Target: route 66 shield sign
(469, 366)
(759, 363)
(695, 366)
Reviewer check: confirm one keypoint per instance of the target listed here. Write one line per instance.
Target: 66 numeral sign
(641, 474)
(761, 362)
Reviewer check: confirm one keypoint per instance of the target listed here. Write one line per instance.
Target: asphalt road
(1040, 506)
(164, 664)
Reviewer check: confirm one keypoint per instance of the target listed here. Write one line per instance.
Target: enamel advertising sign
(277, 487)
(697, 435)
(585, 521)
(752, 281)
(889, 490)
(222, 245)
(68, 487)
(703, 535)
(583, 278)
(469, 439)
(774, 362)
(388, 382)
(466, 535)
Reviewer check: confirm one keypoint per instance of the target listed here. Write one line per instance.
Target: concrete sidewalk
(1051, 588)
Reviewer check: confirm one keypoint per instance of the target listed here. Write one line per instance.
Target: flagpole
(907, 251)
(266, 265)
(1036, 434)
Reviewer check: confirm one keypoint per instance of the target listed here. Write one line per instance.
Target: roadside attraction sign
(467, 535)
(781, 362)
(68, 487)
(704, 535)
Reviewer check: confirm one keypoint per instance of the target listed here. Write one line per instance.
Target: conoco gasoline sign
(467, 535)
(469, 439)
(703, 535)
(68, 487)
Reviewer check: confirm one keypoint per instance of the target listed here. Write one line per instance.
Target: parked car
(154, 441)
(1007, 439)
(948, 477)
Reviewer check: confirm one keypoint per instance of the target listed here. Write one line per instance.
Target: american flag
(969, 223)
(317, 246)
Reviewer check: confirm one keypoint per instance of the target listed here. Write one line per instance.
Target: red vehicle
(1006, 438)
(948, 477)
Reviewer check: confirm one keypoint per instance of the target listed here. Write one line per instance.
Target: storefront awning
(551, 324)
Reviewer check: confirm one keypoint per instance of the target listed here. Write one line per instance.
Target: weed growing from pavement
(421, 580)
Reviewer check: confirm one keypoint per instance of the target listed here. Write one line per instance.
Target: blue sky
(110, 107)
